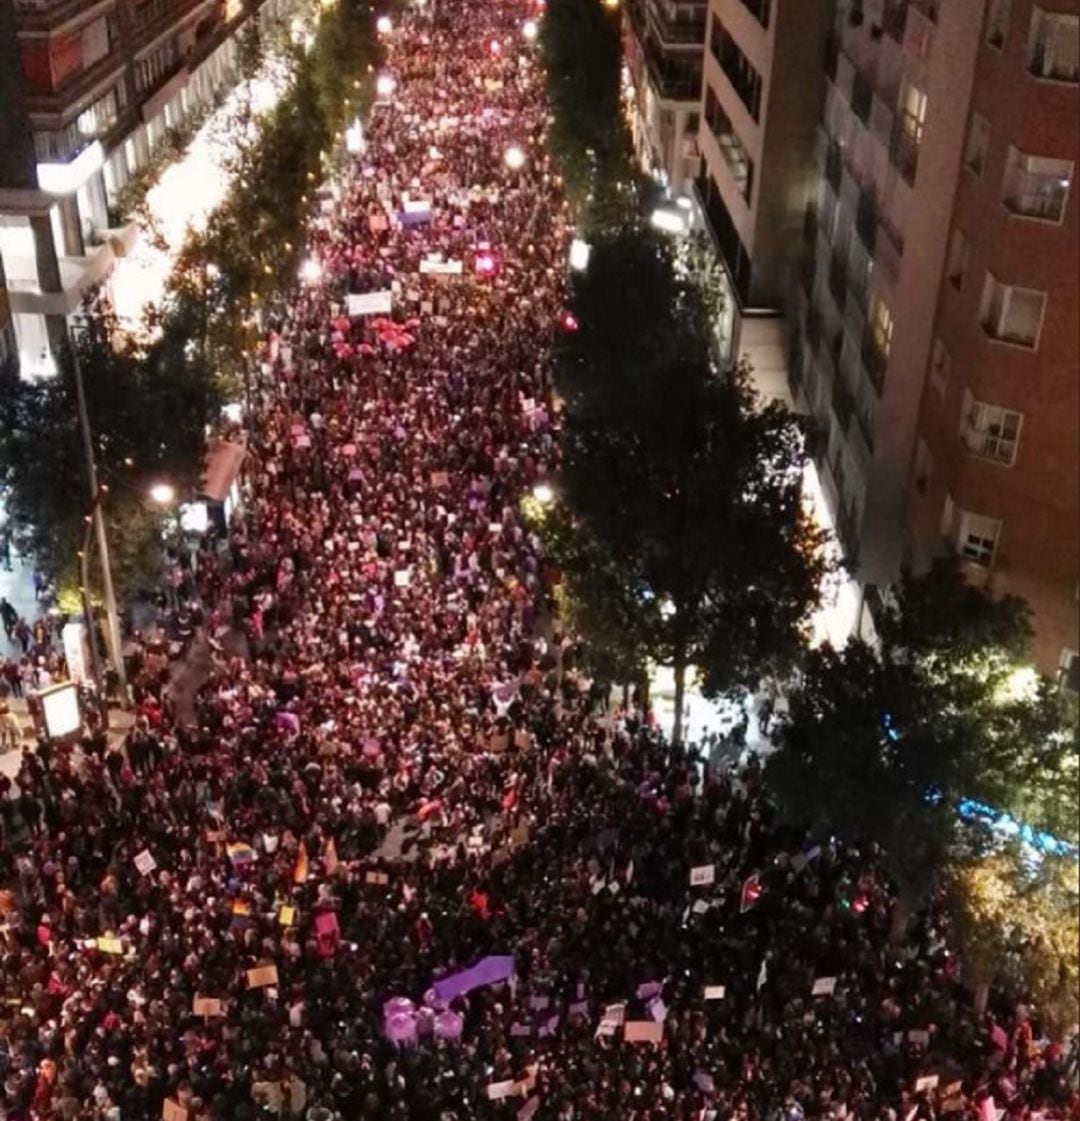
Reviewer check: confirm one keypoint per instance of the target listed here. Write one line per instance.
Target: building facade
(995, 473)
(89, 90)
(761, 95)
(663, 43)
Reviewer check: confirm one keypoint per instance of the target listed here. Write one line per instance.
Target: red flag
(751, 893)
(300, 868)
(330, 858)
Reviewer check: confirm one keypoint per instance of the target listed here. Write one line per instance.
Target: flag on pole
(300, 868)
(330, 857)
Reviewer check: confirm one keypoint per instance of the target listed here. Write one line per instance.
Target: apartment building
(88, 90)
(899, 81)
(760, 103)
(995, 473)
(663, 44)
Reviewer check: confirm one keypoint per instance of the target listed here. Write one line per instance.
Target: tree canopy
(149, 404)
(682, 536)
(889, 744)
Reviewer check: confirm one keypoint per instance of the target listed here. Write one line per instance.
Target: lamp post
(98, 519)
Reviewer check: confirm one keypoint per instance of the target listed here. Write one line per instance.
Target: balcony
(866, 219)
(672, 80)
(678, 32)
(843, 403)
(894, 19)
(834, 166)
(838, 279)
(862, 95)
(874, 361)
(904, 153)
(832, 55)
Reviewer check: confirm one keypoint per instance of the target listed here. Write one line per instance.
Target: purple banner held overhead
(487, 971)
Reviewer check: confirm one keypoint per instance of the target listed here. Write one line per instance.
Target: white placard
(370, 303)
(824, 986)
(714, 992)
(60, 708)
(145, 862)
(702, 875)
(441, 268)
(496, 1091)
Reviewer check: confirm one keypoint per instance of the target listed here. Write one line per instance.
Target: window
(735, 155)
(1069, 671)
(745, 80)
(1011, 314)
(940, 367)
(978, 143)
(1037, 186)
(990, 431)
(997, 23)
(958, 259)
(1054, 46)
(908, 130)
(977, 537)
(882, 327)
(924, 466)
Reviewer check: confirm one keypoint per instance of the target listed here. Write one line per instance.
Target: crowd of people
(406, 772)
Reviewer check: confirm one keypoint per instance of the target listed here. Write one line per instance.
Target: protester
(400, 773)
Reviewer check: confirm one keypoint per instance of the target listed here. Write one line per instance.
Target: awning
(223, 462)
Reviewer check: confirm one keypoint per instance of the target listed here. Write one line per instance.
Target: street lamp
(544, 494)
(514, 157)
(311, 271)
(579, 254)
(384, 25)
(529, 30)
(162, 494)
(385, 85)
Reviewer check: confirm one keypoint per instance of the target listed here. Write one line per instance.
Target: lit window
(1037, 186)
(978, 143)
(997, 23)
(958, 259)
(882, 327)
(1054, 46)
(1011, 314)
(990, 431)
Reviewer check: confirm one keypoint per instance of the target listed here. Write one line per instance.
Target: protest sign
(919, 1038)
(434, 267)
(376, 878)
(643, 1031)
(614, 1014)
(109, 945)
(926, 1082)
(496, 1091)
(705, 874)
(714, 992)
(262, 975)
(369, 303)
(487, 971)
(145, 862)
(824, 986)
(206, 1006)
(172, 1111)
(286, 915)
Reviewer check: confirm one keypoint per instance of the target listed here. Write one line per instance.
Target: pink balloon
(448, 1025)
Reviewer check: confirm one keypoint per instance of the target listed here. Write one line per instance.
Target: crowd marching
(400, 865)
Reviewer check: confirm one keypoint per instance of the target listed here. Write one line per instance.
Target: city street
(392, 858)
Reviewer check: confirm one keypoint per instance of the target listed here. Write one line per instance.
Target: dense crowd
(246, 915)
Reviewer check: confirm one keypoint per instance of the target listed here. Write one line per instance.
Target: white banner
(370, 303)
(441, 268)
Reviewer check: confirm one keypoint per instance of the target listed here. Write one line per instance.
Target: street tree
(1016, 920)
(683, 539)
(149, 403)
(889, 744)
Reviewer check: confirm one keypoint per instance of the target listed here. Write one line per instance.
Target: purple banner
(487, 971)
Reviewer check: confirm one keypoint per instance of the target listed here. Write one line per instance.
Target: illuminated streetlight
(385, 85)
(162, 493)
(311, 271)
(543, 494)
(530, 30)
(515, 157)
(384, 25)
(670, 221)
(579, 254)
